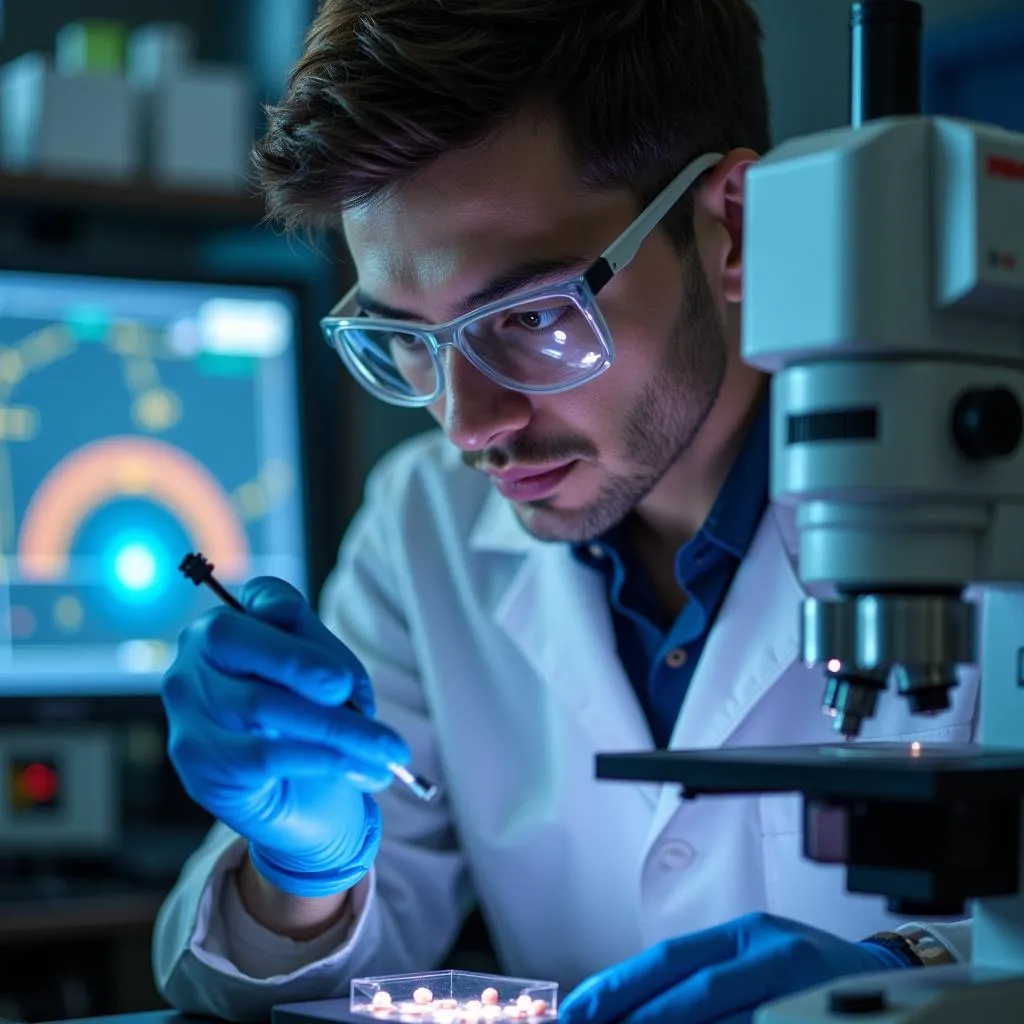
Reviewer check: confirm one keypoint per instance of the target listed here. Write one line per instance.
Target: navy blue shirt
(659, 656)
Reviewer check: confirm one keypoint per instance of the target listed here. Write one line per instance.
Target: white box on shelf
(81, 125)
(159, 50)
(201, 127)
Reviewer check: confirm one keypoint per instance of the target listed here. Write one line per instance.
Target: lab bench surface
(172, 1017)
(152, 1017)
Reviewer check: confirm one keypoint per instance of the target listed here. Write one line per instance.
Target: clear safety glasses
(543, 340)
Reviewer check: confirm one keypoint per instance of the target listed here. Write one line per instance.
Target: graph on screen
(138, 421)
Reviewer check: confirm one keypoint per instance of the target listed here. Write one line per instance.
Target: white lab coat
(494, 655)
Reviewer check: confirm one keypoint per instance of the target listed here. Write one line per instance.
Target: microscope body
(884, 290)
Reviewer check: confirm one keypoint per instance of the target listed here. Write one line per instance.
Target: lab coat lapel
(555, 610)
(755, 639)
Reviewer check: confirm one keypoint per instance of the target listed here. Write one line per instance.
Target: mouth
(531, 484)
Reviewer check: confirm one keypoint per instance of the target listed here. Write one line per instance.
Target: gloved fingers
(252, 705)
(260, 758)
(279, 603)
(252, 760)
(243, 645)
(206, 762)
(245, 714)
(276, 601)
(715, 994)
(615, 993)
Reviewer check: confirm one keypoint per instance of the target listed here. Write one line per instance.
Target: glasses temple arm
(625, 247)
(343, 303)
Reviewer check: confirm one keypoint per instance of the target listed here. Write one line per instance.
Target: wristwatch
(916, 945)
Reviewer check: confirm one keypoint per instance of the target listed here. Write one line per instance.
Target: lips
(529, 483)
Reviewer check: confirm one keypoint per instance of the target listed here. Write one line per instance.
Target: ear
(722, 198)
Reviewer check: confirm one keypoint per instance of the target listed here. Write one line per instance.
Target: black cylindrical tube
(885, 59)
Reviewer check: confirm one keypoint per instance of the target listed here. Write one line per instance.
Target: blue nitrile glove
(259, 737)
(720, 976)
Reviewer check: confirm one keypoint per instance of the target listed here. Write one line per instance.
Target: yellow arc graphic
(128, 467)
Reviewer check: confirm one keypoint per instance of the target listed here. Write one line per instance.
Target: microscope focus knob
(988, 423)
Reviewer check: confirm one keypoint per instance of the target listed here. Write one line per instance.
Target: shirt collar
(734, 517)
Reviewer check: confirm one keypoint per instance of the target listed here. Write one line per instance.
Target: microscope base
(927, 995)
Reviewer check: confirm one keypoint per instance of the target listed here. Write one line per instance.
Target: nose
(475, 411)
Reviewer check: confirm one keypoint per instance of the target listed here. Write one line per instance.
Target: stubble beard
(662, 425)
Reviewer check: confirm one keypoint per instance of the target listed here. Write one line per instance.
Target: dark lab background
(164, 387)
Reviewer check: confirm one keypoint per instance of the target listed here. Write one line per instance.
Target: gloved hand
(259, 737)
(720, 976)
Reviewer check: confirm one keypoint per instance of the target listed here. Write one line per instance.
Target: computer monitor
(139, 421)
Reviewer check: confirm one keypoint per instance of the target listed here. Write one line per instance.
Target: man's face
(593, 452)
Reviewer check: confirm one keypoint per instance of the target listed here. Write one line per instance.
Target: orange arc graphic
(119, 467)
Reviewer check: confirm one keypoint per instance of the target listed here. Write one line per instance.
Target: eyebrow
(530, 272)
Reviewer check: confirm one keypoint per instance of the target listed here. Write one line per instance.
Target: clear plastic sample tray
(454, 997)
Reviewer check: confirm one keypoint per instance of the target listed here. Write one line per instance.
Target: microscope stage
(879, 771)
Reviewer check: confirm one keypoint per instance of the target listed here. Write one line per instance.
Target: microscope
(884, 290)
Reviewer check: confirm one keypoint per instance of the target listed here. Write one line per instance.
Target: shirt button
(596, 551)
(676, 658)
(676, 855)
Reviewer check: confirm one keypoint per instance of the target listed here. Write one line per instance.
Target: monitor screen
(139, 421)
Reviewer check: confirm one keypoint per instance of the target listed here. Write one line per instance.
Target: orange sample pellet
(489, 996)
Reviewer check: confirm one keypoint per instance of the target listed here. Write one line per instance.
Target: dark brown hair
(384, 87)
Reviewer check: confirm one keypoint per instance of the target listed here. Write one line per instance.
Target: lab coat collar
(756, 640)
(498, 530)
(555, 610)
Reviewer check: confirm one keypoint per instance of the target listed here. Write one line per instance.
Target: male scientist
(544, 202)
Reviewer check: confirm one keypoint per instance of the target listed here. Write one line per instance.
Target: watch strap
(897, 945)
(916, 945)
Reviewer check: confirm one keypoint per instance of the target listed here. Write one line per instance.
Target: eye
(539, 319)
(407, 341)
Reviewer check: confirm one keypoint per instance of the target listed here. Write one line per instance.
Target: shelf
(67, 919)
(62, 193)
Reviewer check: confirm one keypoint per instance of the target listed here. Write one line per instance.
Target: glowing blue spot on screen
(135, 567)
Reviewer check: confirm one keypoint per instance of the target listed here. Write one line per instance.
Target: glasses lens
(396, 363)
(546, 343)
